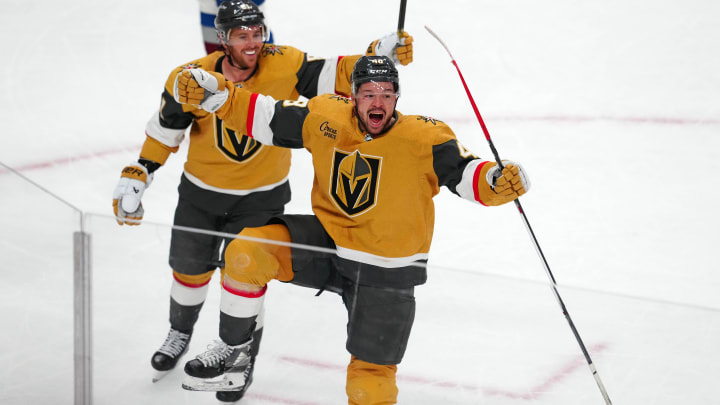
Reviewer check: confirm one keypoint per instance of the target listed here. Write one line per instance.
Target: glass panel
(36, 294)
(476, 338)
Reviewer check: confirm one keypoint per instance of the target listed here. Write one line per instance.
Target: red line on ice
(532, 393)
(658, 120)
(277, 400)
(66, 160)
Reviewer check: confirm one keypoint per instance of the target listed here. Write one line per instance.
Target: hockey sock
(187, 295)
(238, 313)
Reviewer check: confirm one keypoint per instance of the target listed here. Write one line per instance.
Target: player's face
(244, 44)
(375, 102)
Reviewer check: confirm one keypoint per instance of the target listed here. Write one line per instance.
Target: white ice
(613, 108)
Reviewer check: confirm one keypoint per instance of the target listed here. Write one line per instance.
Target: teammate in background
(376, 172)
(208, 12)
(230, 181)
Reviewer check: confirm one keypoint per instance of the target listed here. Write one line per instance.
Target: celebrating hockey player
(371, 163)
(208, 13)
(230, 181)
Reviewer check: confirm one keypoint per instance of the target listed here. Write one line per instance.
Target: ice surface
(613, 108)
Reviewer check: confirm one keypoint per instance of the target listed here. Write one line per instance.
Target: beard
(238, 60)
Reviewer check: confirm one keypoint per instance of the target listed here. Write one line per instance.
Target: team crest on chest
(238, 147)
(354, 181)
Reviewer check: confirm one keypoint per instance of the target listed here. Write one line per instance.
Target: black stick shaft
(553, 284)
(401, 18)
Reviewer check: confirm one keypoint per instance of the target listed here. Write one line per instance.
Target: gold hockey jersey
(373, 196)
(221, 157)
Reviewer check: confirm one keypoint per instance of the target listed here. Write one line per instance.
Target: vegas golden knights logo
(355, 179)
(237, 147)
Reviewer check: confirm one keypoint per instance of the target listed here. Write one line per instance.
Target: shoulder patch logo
(354, 183)
(431, 120)
(340, 98)
(191, 66)
(237, 147)
(270, 49)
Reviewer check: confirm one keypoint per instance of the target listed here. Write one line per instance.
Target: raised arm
(332, 75)
(473, 178)
(269, 121)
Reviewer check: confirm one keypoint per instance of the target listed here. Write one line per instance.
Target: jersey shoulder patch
(207, 62)
(273, 51)
(338, 98)
(435, 131)
(330, 101)
(428, 119)
(280, 58)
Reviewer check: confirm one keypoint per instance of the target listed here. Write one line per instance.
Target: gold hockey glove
(397, 46)
(128, 193)
(201, 88)
(497, 188)
(404, 50)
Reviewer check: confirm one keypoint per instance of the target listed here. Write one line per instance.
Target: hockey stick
(529, 229)
(401, 18)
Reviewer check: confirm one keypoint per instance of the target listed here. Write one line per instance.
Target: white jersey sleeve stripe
(260, 112)
(166, 136)
(326, 80)
(467, 186)
(380, 261)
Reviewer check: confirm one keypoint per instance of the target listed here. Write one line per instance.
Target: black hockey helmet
(374, 69)
(237, 13)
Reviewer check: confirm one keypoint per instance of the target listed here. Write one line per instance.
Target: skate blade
(226, 382)
(159, 375)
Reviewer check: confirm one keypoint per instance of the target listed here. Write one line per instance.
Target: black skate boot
(220, 368)
(229, 397)
(168, 355)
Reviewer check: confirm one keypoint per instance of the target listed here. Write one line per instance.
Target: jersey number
(295, 103)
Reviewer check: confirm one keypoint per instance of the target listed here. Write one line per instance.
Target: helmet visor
(244, 35)
(372, 90)
(380, 88)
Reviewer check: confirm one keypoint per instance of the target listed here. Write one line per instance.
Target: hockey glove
(128, 193)
(201, 88)
(496, 188)
(397, 46)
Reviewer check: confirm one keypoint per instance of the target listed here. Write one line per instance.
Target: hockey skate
(221, 368)
(168, 355)
(229, 397)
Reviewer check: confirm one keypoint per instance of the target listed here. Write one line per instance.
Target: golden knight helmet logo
(354, 182)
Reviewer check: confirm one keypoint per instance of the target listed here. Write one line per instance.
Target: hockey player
(376, 172)
(208, 13)
(230, 181)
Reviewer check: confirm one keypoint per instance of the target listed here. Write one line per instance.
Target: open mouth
(252, 52)
(376, 117)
